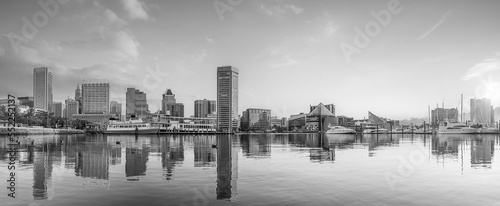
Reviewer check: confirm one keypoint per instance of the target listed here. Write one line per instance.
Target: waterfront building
(71, 108)
(278, 122)
(136, 104)
(57, 109)
(256, 119)
(176, 109)
(95, 98)
(26, 101)
(167, 98)
(202, 108)
(330, 107)
(78, 97)
(297, 122)
(440, 115)
(116, 108)
(319, 118)
(227, 99)
(42, 88)
(481, 111)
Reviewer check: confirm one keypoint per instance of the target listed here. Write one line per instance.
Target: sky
(393, 58)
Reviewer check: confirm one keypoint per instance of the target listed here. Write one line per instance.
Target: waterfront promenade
(32, 130)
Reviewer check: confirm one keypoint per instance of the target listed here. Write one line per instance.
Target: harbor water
(253, 169)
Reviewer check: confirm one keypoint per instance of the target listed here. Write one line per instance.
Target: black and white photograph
(249, 102)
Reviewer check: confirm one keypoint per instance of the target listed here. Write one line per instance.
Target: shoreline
(29, 130)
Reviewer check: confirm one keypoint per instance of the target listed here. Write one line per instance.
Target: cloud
(442, 20)
(287, 61)
(209, 40)
(487, 66)
(2, 50)
(281, 11)
(136, 9)
(330, 28)
(113, 19)
(105, 43)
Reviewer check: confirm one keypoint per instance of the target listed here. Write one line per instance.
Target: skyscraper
(71, 108)
(176, 109)
(167, 98)
(116, 108)
(42, 88)
(481, 111)
(136, 103)
(95, 98)
(202, 108)
(78, 97)
(227, 99)
(57, 108)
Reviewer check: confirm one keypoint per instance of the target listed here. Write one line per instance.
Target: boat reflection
(91, 157)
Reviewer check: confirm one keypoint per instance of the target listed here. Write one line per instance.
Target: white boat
(488, 130)
(176, 126)
(130, 127)
(374, 130)
(339, 130)
(456, 128)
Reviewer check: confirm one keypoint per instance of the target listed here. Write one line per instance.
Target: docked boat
(456, 128)
(374, 130)
(130, 127)
(488, 130)
(423, 131)
(339, 130)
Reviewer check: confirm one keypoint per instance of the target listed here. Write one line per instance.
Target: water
(257, 169)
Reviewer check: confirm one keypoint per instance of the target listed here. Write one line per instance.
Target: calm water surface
(259, 169)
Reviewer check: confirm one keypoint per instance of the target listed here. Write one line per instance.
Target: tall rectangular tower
(136, 103)
(42, 88)
(227, 99)
(95, 98)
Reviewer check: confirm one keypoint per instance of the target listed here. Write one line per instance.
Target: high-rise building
(116, 108)
(57, 108)
(42, 88)
(227, 99)
(481, 111)
(176, 109)
(136, 103)
(440, 115)
(95, 98)
(71, 108)
(167, 98)
(26, 101)
(78, 97)
(202, 108)
(256, 119)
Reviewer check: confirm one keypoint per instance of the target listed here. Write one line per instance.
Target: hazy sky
(289, 53)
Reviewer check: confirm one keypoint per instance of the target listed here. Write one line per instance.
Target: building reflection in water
(256, 146)
(136, 160)
(92, 160)
(172, 154)
(482, 152)
(227, 168)
(42, 171)
(204, 154)
(482, 148)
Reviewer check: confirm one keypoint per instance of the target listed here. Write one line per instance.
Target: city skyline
(397, 75)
